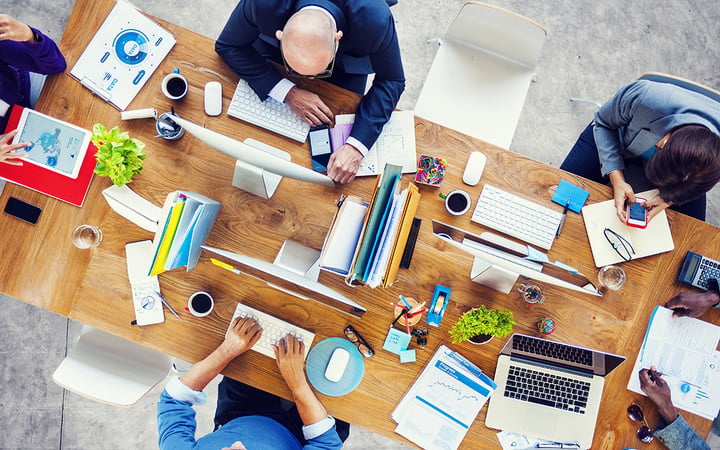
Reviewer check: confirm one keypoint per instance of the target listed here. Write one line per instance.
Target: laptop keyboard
(552, 349)
(542, 388)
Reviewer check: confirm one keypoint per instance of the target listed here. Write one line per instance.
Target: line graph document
(443, 402)
(685, 351)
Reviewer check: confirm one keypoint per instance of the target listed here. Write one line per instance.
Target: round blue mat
(317, 361)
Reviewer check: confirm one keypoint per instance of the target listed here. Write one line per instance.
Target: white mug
(198, 304)
(174, 85)
(457, 202)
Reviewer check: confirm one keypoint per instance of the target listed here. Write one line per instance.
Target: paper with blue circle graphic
(685, 351)
(122, 55)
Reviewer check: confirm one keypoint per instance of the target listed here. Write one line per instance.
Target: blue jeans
(236, 399)
(583, 160)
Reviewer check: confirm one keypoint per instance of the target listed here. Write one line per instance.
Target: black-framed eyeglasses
(635, 413)
(327, 73)
(362, 345)
(622, 246)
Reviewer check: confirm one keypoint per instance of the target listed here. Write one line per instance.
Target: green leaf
(119, 157)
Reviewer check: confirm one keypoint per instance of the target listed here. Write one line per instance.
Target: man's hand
(308, 106)
(622, 192)
(657, 390)
(692, 304)
(344, 164)
(12, 30)
(290, 357)
(6, 149)
(654, 206)
(242, 335)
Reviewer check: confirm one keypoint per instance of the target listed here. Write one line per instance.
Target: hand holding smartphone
(637, 213)
(320, 148)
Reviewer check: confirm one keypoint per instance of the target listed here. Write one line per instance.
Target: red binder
(46, 181)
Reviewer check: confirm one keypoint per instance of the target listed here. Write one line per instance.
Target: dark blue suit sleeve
(389, 83)
(235, 47)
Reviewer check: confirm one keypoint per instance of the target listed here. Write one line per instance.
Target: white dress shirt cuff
(318, 428)
(280, 91)
(177, 390)
(358, 145)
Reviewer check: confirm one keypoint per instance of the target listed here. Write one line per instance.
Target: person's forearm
(668, 413)
(308, 405)
(204, 371)
(616, 177)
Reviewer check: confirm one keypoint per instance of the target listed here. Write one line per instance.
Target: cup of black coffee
(174, 85)
(200, 304)
(457, 202)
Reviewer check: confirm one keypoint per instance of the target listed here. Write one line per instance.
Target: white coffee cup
(174, 85)
(457, 202)
(200, 304)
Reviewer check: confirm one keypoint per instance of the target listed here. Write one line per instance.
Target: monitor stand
(255, 180)
(297, 258)
(492, 276)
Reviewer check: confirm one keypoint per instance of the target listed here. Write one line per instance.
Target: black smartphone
(320, 148)
(23, 210)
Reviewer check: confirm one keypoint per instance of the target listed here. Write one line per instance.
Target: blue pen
(405, 302)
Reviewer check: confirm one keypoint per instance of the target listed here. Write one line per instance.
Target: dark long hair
(687, 166)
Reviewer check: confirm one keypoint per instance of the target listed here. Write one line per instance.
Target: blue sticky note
(407, 356)
(577, 195)
(396, 341)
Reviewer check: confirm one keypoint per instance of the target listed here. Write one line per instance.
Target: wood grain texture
(92, 286)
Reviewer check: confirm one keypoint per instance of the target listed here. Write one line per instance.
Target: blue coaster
(318, 359)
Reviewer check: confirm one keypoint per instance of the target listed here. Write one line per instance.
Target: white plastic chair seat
(112, 370)
(481, 73)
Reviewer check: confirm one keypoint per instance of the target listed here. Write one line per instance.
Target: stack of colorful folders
(184, 227)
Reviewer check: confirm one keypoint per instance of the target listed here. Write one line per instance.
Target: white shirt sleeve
(177, 390)
(316, 429)
(280, 91)
(358, 145)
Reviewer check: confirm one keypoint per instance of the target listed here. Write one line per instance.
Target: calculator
(696, 270)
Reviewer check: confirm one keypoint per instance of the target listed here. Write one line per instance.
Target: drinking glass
(86, 236)
(612, 277)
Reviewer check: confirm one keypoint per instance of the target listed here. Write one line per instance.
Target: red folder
(46, 181)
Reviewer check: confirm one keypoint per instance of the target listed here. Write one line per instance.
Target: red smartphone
(637, 213)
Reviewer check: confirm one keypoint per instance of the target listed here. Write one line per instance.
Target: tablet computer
(55, 145)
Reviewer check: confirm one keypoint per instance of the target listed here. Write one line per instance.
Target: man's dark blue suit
(369, 45)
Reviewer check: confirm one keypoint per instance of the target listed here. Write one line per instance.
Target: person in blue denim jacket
(676, 433)
(253, 422)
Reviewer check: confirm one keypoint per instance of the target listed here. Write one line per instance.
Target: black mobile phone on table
(23, 210)
(320, 148)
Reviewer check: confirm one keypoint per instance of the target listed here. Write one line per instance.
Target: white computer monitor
(287, 279)
(252, 155)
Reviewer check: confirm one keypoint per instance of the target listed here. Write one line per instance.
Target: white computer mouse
(213, 98)
(337, 364)
(474, 168)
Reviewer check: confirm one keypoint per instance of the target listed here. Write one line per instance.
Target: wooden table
(91, 286)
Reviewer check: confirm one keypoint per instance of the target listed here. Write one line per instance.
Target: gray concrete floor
(592, 49)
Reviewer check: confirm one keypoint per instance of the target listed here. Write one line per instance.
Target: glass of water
(86, 236)
(612, 277)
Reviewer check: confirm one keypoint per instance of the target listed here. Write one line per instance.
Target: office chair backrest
(683, 83)
(499, 32)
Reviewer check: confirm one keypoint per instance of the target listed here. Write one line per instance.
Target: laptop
(549, 389)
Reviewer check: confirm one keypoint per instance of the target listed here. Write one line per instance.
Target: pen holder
(413, 320)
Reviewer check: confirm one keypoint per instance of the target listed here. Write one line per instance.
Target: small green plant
(481, 320)
(119, 157)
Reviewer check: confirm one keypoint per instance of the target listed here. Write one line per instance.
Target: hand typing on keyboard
(308, 106)
(290, 356)
(243, 333)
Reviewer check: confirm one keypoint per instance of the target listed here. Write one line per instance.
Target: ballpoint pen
(164, 302)
(562, 219)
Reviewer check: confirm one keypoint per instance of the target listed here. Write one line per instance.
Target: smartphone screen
(320, 148)
(22, 210)
(637, 213)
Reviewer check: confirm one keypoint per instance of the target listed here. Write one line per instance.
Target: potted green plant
(479, 325)
(119, 156)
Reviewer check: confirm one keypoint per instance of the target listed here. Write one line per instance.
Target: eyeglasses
(636, 415)
(327, 73)
(359, 342)
(622, 246)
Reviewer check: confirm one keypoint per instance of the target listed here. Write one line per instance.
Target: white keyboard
(270, 114)
(273, 328)
(517, 217)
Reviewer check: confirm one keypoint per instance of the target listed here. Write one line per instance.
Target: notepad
(655, 238)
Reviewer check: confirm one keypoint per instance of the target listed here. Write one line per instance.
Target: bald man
(341, 41)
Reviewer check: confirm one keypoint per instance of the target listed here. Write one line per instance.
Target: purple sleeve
(42, 56)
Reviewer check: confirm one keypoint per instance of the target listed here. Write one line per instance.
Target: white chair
(481, 74)
(110, 369)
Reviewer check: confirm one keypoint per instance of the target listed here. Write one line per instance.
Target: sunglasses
(362, 345)
(327, 73)
(636, 415)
